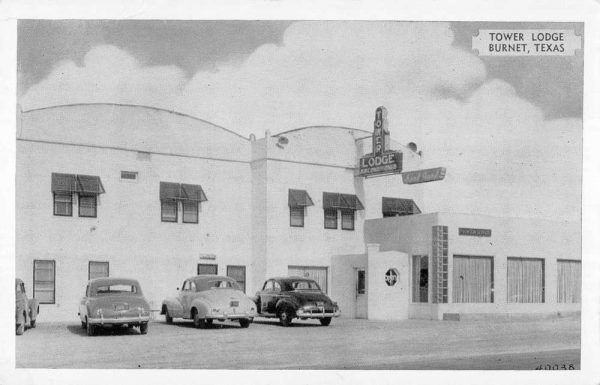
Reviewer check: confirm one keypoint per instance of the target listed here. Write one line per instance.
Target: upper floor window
(346, 203)
(190, 197)
(394, 207)
(87, 187)
(297, 201)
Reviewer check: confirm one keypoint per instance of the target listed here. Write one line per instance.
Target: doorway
(360, 277)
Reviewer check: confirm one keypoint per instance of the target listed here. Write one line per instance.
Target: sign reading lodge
(381, 160)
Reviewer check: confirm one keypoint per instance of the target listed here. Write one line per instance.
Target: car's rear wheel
(83, 325)
(244, 322)
(325, 321)
(144, 328)
(32, 323)
(91, 329)
(20, 329)
(285, 316)
(199, 323)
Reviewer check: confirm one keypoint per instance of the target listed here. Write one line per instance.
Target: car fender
(286, 302)
(173, 306)
(34, 306)
(202, 307)
(19, 315)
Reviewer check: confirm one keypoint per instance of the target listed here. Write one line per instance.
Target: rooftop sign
(381, 160)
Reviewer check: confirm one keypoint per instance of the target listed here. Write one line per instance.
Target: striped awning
(341, 201)
(181, 191)
(72, 183)
(299, 198)
(398, 206)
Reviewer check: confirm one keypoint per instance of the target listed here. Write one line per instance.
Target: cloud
(502, 157)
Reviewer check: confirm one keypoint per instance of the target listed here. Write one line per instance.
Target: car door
(274, 295)
(265, 296)
(184, 298)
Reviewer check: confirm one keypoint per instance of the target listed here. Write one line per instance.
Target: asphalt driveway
(345, 344)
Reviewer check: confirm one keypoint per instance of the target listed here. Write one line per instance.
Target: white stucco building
(134, 191)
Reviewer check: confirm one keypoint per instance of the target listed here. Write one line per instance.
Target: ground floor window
(204, 268)
(361, 282)
(97, 269)
(568, 281)
(525, 280)
(316, 273)
(239, 274)
(44, 276)
(472, 279)
(420, 278)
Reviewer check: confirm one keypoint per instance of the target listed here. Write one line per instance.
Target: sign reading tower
(381, 160)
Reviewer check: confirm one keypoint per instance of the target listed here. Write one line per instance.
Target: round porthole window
(391, 277)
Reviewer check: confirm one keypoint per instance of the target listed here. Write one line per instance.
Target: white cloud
(502, 157)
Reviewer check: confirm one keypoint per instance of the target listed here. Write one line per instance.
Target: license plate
(320, 304)
(234, 303)
(121, 306)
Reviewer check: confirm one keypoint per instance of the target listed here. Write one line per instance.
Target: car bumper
(118, 321)
(232, 316)
(301, 313)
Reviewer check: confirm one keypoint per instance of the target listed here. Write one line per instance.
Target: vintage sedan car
(113, 302)
(26, 310)
(205, 298)
(295, 297)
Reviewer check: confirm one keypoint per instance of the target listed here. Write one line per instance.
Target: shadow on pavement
(105, 331)
(215, 325)
(294, 324)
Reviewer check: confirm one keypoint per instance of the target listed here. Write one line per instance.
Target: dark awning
(90, 184)
(181, 191)
(193, 192)
(64, 183)
(71, 183)
(299, 198)
(341, 201)
(398, 206)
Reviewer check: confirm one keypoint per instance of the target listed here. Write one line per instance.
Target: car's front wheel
(168, 317)
(20, 329)
(325, 321)
(144, 328)
(32, 323)
(285, 316)
(244, 322)
(199, 323)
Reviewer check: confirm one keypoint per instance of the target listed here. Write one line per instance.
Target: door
(268, 297)
(185, 297)
(360, 277)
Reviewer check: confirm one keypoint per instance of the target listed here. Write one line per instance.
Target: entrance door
(360, 277)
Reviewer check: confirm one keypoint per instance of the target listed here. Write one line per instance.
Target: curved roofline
(136, 105)
(319, 126)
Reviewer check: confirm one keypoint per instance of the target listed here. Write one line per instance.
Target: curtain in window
(98, 269)
(420, 279)
(190, 211)
(317, 274)
(472, 279)
(525, 280)
(569, 282)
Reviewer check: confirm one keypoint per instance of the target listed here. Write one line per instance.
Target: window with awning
(393, 207)
(298, 200)
(190, 195)
(88, 187)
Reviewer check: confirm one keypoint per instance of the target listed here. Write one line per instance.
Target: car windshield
(223, 284)
(116, 289)
(304, 285)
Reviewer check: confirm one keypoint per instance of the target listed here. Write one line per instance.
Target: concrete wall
(128, 232)
(387, 302)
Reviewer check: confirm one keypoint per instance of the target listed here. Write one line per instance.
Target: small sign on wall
(391, 277)
(208, 256)
(474, 232)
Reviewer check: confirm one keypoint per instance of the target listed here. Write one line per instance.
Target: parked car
(26, 310)
(295, 297)
(205, 298)
(113, 302)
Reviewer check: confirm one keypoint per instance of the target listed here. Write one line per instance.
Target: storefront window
(569, 281)
(525, 280)
(472, 279)
(420, 279)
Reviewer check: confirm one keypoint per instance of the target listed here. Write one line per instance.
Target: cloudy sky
(508, 129)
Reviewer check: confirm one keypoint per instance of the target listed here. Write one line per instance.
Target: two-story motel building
(134, 191)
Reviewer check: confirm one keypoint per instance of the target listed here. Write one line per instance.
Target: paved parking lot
(346, 344)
